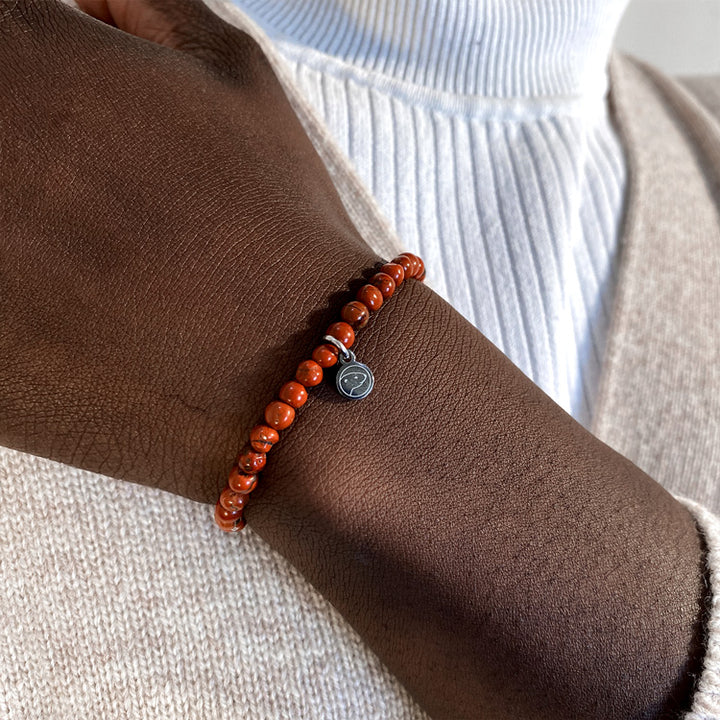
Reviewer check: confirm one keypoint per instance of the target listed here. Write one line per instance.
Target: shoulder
(706, 89)
(694, 100)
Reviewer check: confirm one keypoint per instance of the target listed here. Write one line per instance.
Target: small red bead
(395, 271)
(356, 314)
(229, 522)
(293, 393)
(343, 332)
(250, 461)
(309, 373)
(233, 501)
(224, 514)
(262, 438)
(419, 264)
(325, 355)
(240, 482)
(369, 295)
(407, 264)
(384, 283)
(279, 415)
(421, 276)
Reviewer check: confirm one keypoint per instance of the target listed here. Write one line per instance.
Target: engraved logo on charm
(354, 380)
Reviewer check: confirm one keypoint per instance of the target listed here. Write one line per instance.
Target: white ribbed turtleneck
(482, 129)
(500, 48)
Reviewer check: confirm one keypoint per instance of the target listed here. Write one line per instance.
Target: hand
(169, 239)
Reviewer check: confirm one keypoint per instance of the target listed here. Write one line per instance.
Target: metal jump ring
(348, 355)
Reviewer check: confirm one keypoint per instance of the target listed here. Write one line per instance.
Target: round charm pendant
(354, 379)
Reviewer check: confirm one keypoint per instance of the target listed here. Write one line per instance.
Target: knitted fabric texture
(706, 701)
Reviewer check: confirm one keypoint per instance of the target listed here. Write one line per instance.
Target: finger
(136, 17)
(98, 9)
(186, 25)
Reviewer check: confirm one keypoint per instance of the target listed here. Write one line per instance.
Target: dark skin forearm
(175, 248)
(502, 561)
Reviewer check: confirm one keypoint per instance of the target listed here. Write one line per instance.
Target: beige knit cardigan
(120, 601)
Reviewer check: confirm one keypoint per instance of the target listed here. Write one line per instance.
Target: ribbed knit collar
(492, 48)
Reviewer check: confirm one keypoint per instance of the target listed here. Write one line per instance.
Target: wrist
(332, 435)
(459, 518)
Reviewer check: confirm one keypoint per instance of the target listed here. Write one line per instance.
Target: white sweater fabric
(481, 129)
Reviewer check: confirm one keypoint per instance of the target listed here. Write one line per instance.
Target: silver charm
(354, 380)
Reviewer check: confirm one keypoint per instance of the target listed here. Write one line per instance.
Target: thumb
(143, 18)
(186, 25)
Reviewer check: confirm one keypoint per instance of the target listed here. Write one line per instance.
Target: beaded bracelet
(353, 380)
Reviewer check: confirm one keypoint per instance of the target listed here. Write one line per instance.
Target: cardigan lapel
(659, 398)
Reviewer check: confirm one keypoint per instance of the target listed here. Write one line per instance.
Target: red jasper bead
(395, 271)
(224, 514)
(356, 314)
(407, 264)
(293, 393)
(279, 415)
(262, 438)
(250, 461)
(240, 482)
(343, 332)
(369, 295)
(419, 264)
(229, 522)
(233, 501)
(325, 355)
(309, 373)
(384, 283)
(421, 276)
